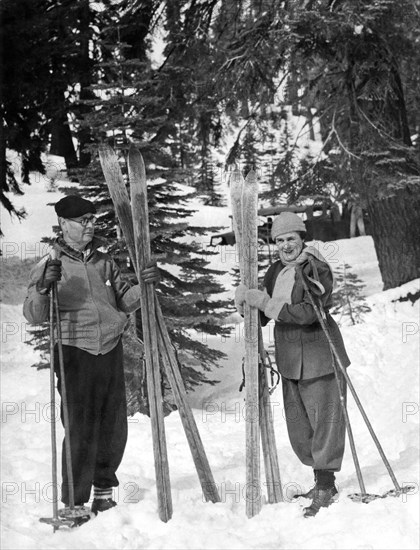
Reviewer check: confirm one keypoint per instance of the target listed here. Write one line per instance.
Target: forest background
(200, 85)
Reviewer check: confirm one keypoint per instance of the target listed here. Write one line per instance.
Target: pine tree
(24, 44)
(354, 65)
(351, 65)
(353, 61)
(131, 104)
(348, 300)
(46, 67)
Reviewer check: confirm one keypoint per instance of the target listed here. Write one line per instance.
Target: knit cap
(286, 222)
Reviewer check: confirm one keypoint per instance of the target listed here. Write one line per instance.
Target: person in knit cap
(94, 303)
(314, 417)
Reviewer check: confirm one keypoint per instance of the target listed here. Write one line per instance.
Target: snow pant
(315, 420)
(97, 411)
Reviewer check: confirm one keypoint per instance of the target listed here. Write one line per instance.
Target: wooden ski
(248, 257)
(250, 272)
(198, 453)
(139, 208)
(244, 196)
(236, 188)
(120, 198)
(119, 195)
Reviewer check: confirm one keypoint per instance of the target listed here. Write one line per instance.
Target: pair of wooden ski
(258, 414)
(134, 221)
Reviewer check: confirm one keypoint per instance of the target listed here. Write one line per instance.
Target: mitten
(257, 298)
(240, 298)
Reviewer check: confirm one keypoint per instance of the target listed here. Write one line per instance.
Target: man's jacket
(301, 347)
(93, 299)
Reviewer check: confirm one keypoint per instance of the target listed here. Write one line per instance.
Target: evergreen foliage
(354, 59)
(349, 303)
(347, 70)
(45, 68)
(188, 293)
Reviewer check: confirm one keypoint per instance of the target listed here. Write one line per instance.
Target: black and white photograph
(210, 274)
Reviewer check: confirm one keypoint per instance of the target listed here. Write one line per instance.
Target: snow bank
(385, 371)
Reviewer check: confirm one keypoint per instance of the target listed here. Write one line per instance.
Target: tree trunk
(3, 171)
(61, 139)
(84, 135)
(135, 29)
(395, 222)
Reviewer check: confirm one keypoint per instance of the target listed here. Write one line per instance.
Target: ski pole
(54, 299)
(342, 401)
(355, 396)
(53, 417)
(72, 515)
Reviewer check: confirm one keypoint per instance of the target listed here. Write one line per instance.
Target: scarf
(283, 287)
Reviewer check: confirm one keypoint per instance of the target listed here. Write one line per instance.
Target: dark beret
(74, 206)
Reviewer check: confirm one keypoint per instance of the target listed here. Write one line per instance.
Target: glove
(151, 274)
(257, 298)
(52, 274)
(240, 298)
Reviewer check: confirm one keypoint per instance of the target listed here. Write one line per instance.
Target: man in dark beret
(94, 304)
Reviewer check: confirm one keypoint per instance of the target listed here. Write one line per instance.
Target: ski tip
(135, 154)
(236, 180)
(107, 155)
(133, 150)
(236, 171)
(251, 177)
(136, 164)
(104, 148)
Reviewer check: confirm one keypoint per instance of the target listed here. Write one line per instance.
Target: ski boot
(323, 494)
(322, 499)
(102, 505)
(309, 494)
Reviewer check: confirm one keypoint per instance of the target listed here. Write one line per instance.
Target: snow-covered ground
(384, 352)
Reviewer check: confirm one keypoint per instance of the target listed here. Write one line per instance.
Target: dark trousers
(315, 420)
(97, 417)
